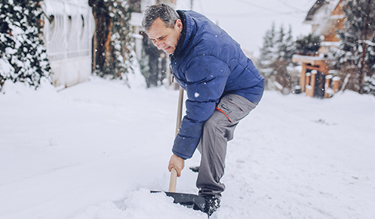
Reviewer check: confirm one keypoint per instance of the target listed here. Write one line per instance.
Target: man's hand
(176, 163)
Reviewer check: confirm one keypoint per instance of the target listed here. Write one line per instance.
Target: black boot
(212, 203)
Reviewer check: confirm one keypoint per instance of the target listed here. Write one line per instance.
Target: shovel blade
(189, 200)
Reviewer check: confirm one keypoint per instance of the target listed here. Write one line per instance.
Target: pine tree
(267, 50)
(275, 56)
(267, 55)
(308, 45)
(290, 47)
(355, 54)
(21, 44)
(152, 55)
(369, 84)
(113, 43)
(143, 63)
(280, 45)
(281, 63)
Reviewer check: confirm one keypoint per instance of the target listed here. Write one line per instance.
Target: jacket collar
(185, 33)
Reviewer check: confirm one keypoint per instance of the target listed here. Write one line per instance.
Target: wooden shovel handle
(173, 180)
(179, 110)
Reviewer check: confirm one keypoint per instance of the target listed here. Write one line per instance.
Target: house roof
(324, 15)
(321, 10)
(310, 15)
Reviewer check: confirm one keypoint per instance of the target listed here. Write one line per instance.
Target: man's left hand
(176, 163)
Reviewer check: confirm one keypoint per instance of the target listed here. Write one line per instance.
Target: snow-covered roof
(320, 15)
(330, 44)
(313, 60)
(320, 11)
(310, 15)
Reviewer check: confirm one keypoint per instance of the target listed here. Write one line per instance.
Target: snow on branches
(23, 57)
(356, 54)
(276, 56)
(113, 43)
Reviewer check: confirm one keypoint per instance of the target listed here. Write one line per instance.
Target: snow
(336, 78)
(368, 42)
(311, 58)
(278, 85)
(5, 67)
(95, 150)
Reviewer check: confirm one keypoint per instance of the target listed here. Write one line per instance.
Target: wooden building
(316, 80)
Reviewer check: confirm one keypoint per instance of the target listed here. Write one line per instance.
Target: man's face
(165, 38)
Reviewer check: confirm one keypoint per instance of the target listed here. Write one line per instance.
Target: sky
(248, 20)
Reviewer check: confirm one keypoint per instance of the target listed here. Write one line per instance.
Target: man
(222, 85)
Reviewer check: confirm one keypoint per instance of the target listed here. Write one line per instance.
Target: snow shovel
(189, 200)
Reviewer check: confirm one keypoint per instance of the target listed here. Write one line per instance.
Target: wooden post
(94, 44)
(308, 87)
(302, 79)
(336, 83)
(313, 78)
(308, 78)
(327, 86)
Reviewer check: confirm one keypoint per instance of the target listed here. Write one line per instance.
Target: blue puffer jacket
(208, 64)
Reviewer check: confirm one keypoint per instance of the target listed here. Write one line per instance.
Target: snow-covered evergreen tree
(285, 51)
(21, 45)
(369, 84)
(280, 44)
(290, 47)
(143, 63)
(115, 58)
(355, 56)
(275, 56)
(152, 54)
(279, 65)
(268, 49)
(267, 55)
(308, 45)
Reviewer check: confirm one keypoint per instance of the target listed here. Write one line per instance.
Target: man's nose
(159, 44)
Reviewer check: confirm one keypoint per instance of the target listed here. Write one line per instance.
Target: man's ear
(179, 25)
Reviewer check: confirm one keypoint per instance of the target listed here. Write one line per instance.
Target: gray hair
(165, 12)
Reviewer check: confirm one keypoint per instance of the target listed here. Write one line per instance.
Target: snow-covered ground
(96, 149)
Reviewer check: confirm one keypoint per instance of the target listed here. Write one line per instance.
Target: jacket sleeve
(206, 78)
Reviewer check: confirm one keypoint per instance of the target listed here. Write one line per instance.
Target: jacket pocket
(235, 107)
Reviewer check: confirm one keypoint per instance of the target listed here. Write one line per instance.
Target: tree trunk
(94, 43)
(362, 70)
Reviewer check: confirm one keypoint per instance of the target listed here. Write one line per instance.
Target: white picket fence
(68, 30)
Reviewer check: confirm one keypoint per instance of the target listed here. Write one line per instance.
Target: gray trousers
(217, 131)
